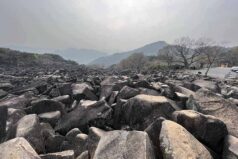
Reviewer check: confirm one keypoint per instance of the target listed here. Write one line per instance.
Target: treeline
(185, 53)
(15, 58)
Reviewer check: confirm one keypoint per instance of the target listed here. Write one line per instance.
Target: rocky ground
(83, 113)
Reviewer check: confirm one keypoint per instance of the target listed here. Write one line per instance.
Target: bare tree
(212, 54)
(184, 52)
(167, 54)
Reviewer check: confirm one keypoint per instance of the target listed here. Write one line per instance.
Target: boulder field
(64, 114)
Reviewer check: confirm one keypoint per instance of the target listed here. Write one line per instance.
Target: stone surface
(176, 142)
(83, 155)
(140, 111)
(128, 92)
(70, 136)
(46, 105)
(230, 150)
(18, 102)
(69, 154)
(3, 93)
(210, 103)
(17, 148)
(124, 144)
(95, 113)
(14, 115)
(83, 91)
(207, 129)
(50, 117)
(78, 144)
(29, 127)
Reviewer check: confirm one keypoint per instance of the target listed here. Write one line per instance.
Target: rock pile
(62, 115)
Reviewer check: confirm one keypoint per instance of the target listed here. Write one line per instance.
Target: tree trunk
(208, 68)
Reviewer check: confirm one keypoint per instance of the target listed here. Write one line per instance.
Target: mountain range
(94, 57)
(147, 50)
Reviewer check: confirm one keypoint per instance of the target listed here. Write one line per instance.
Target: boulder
(65, 99)
(46, 105)
(78, 144)
(90, 113)
(153, 130)
(6, 86)
(50, 117)
(19, 102)
(70, 136)
(3, 93)
(53, 143)
(176, 142)
(3, 122)
(83, 155)
(210, 103)
(110, 84)
(113, 98)
(17, 148)
(124, 144)
(83, 91)
(148, 91)
(69, 154)
(94, 137)
(207, 129)
(205, 84)
(230, 150)
(140, 111)
(127, 92)
(29, 127)
(65, 88)
(47, 130)
(142, 84)
(14, 115)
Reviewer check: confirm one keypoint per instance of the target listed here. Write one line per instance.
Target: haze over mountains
(94, 57)
(148, 50)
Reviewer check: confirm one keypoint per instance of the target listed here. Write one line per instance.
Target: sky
(114, 25)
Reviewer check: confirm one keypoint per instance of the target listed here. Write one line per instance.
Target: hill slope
(148, 50)
(12, 58)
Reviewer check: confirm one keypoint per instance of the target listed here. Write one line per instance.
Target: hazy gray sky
(114, 25)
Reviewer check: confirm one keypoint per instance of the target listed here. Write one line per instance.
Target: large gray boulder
(210, 103)
(29, 127)
(88, 113)
(124, 144)
(140, 111)
(176, 142)
(205, 84)
(127, 92)
(206, 128)
(46, 105)
(19, 102)
(110, 84)
(17, 148)
(83, 91)
(94, 137)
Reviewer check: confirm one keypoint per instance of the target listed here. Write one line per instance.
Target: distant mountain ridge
(148, 50)
(81, 56)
